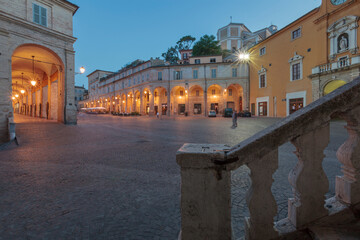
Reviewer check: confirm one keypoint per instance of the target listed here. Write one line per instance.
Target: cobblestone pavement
(116, 177)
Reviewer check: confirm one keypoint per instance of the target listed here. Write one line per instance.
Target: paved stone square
(115, 177)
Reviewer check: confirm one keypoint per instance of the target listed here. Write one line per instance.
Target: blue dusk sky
(112, 33)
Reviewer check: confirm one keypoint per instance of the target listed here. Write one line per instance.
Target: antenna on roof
(230, 19)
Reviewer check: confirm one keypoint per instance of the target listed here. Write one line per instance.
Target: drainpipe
(65, 87)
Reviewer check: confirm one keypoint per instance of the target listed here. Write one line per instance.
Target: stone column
(49, 99)
(168, 102)
(126, 103)
(151, 102)
(133, 102)
(205, 192)
(5, 86)
(41, 101)
(69, 91)
(141, 110)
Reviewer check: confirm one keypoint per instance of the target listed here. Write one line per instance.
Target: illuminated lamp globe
(82, 70)
(16, 95)
(22, 91)
(13, 98)
(33, 82)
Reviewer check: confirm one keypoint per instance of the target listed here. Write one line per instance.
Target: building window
(134, 81)
(296, 67)
(296, 34)
(181, 93)
(234, 72)
(295, 104)
(197, 61)
(295, 71)
(123, 85)
(230, 92)
(159, 75)
(213, 73)
(178, 75)
(129, 83)
(262, 80)
(75, 98)
(197, 93)
(185, 56)
(213, 60)
(213, 92)
(147, 77)
(195, 74)
(39, 15)
(262, 51)
(142, 78)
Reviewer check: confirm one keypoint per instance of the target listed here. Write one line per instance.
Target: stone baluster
(308, 178)
(260, 200)
(347, 187)
(205, 193)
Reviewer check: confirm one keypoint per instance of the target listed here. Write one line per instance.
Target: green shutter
(36, 14)
(43, 17)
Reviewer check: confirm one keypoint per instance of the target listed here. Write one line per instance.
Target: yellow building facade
(305, 60)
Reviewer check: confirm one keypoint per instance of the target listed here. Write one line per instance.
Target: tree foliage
(171, 55)
(185, 42)
(207, 45)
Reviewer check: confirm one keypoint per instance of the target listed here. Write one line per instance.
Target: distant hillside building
(236, 36)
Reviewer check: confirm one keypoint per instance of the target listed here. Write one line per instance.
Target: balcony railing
(340, 64)
(206, 173)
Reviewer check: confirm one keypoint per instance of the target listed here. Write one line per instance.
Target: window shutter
(180, 74)
(43, 16)
(36, 15)
(174, 75)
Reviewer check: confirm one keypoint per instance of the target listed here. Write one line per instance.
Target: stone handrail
(206, 172)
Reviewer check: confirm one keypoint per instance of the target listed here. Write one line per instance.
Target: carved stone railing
(340, 64)
(206, 173)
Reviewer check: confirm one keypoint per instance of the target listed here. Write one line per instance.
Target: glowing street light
(82, 70)
(22, 91)
(16, 95)
(244, 56)
(33, 82)
(13, 98)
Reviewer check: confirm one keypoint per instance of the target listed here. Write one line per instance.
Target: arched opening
(146, 101)
(160, 100)
(179, 99)
(38, 82)
(123, 104)
(130, 102)
(196, 100)
(137, 101)
(215, 98)
(332, 86)
(233, 96)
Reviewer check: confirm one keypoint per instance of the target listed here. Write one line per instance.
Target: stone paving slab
(116, 178)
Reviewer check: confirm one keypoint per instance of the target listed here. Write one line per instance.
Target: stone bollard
(11, 127)
(205, 192)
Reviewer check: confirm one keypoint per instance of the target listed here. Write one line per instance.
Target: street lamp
(82, 70)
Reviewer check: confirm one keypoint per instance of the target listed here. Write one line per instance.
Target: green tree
(171, 55)
(185, 42)
(207, 45)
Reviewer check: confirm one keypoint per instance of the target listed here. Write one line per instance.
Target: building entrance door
(240, 104)
(215, 106)
(262, 109)
(156, 109)
(181, 108)
(197, 108)
(295, 104)
(164, 108)
(230, 105)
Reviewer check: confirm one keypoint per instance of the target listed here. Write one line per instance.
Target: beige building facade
(36, 60)
(153, 87)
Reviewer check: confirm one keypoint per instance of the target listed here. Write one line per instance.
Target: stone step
(342, 233)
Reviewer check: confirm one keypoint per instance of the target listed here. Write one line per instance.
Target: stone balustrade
(206, 173)
(340, 64)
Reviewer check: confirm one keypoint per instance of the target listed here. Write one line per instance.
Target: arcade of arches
(37, 83)
(190, 99)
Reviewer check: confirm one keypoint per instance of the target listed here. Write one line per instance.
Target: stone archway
(196, 100)
(332, 85)
(215, 99)
(38, 86)
(179, 100)
(234, 97)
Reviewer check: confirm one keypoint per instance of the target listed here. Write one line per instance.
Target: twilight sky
(112, 33)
